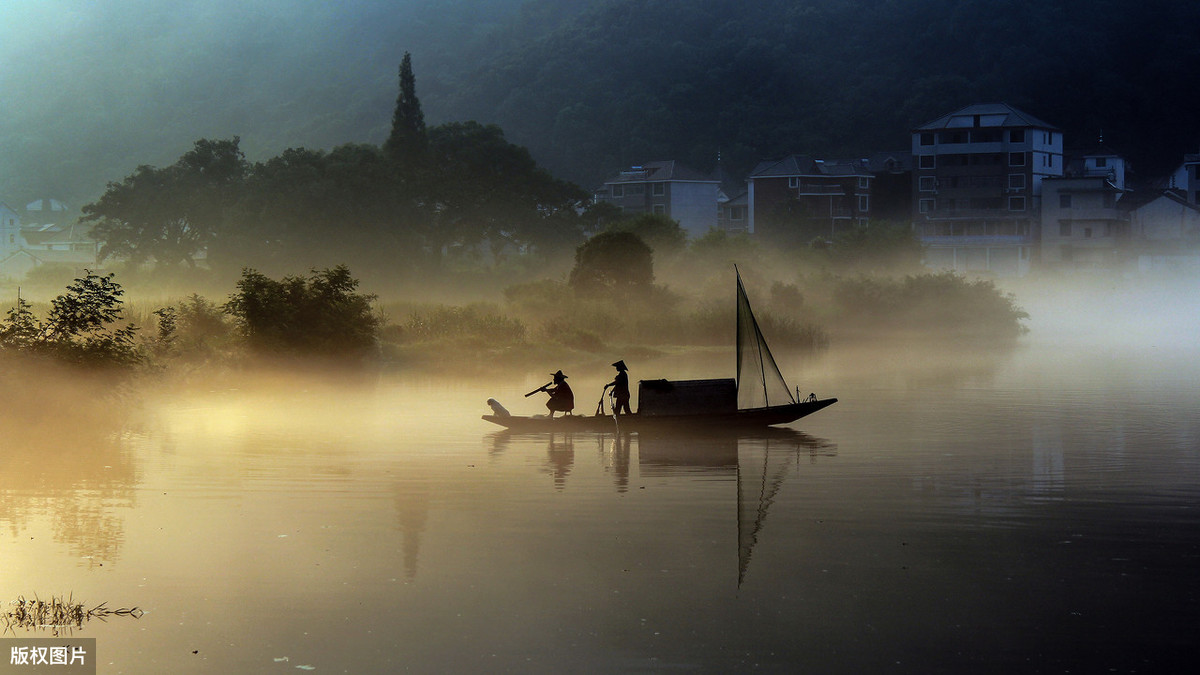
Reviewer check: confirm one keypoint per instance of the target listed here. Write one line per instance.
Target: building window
(1016, 135)
(1016, 181)
(1016, 159)
(928, 183)
(618, 191)
(1016, 203)
(927, 139)
(953, 137)
(864, 203)
(660, 209)
(1064, 201)
(864, 183)
(794, 182)
(1064, 229)
(925, 205)
(737, 213)
(1101, 162)
(927, 161)
(659, 190)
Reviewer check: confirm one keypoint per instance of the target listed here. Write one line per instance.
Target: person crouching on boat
(561, 396)
(620, 387)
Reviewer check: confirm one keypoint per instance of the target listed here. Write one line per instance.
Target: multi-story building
(10, 231)
(799, 198)
(1082, 225)
(667, 188)
(46, 235)
(977, 187)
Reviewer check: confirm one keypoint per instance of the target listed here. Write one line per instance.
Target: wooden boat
(740, 419)
(759, 397)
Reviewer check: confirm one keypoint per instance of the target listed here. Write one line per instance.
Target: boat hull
(742, 419)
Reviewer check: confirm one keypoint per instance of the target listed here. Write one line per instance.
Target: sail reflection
(758, 462)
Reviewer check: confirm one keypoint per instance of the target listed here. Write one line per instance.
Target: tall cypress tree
(407, 142)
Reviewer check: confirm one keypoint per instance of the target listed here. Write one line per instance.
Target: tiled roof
(660, 171)
(991, 115)
(900, 160)
(1133, 201)
(803, 165)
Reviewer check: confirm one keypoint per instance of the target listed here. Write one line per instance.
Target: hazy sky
(90, 89)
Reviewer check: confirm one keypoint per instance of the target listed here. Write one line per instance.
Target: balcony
(818, 189)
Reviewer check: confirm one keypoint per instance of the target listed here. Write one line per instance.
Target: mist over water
(961, 508)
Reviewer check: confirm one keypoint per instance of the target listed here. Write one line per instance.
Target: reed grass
(58, 614)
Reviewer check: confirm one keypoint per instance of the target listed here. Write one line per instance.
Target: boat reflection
(758, 461)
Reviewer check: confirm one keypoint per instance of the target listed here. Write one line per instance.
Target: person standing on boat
(561, 397)
(620, 387)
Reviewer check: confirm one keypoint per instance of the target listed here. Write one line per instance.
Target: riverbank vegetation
(594, 311)
(475, 257)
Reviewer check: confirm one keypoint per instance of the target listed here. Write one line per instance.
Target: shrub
(317, 315)
(478, 321)
(942, 302)
(193, 328)
(80, 327)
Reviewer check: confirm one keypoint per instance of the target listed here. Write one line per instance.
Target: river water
(1024, 509)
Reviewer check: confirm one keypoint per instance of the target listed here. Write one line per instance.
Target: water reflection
(758, 462)
(412, 513)
(65, 461)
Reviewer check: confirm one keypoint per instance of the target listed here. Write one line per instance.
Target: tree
(319, 315)
(79, 328)
(407, 142)
(170, 215)
(613, 263)
(485, 188)
(880, 246)
(315, 208)
(661, 233)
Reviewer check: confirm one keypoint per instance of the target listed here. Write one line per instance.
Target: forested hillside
(90, 91)
(631, 81)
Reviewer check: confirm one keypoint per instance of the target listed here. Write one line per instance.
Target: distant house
(798, 198)
(977, 187)
(733, 213)
(1187, 179)
(669, 188)
(47, 234)
(1164, 230)
(10, 231)
(1082, 225)
(891, 189)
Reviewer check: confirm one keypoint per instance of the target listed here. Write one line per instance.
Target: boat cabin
(687, 397)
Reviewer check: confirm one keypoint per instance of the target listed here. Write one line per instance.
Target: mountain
(88, 91)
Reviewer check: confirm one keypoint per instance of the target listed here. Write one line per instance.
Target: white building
(667, 188)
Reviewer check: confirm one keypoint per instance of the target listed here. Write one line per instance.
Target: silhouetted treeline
(397, 211)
